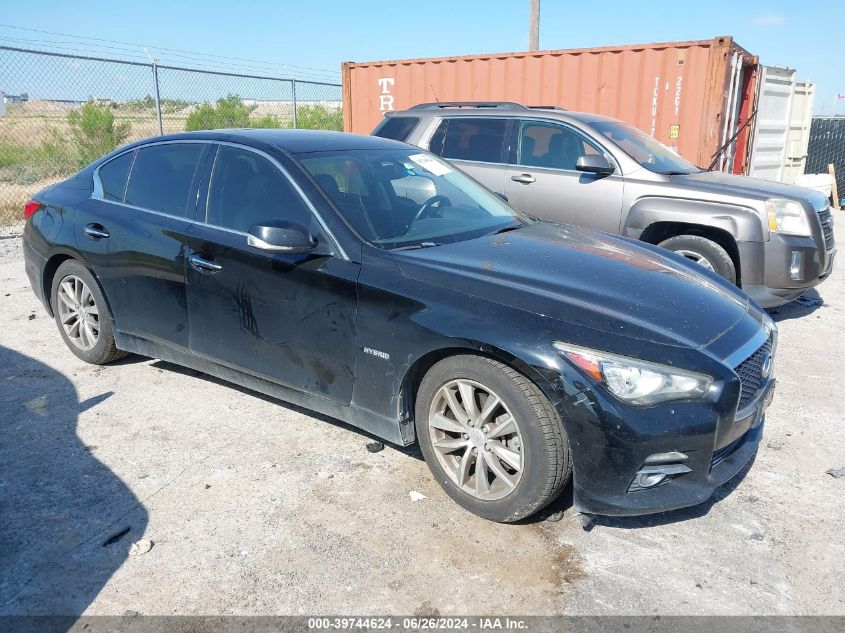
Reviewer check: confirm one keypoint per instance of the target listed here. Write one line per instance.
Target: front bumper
(780, 270)
(611, 443)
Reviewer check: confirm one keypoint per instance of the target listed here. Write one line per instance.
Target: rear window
(113, 176)
(162, 175)
(397, 128)
(468, 138)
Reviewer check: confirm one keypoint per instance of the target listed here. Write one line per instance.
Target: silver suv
(773, 240)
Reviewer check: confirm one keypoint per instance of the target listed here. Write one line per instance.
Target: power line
(162, 48)
(195, 64)
(192, 56)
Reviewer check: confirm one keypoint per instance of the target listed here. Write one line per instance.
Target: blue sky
(321, 34)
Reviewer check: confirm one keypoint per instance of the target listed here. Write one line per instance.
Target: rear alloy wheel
(490, 437)
(79, 315)
(82, 314)
(704, 252)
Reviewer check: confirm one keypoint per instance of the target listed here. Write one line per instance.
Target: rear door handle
(203, 265)
(96, 231)
(525, 179)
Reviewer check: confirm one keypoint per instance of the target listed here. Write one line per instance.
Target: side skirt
(378, 425)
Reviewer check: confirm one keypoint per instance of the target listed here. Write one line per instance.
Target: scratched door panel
(285, 318)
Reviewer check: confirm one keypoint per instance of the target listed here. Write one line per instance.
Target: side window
(397, 128)
(162, 175)
(466, 138)
(248, 189)
(548, 145)
(113, 176)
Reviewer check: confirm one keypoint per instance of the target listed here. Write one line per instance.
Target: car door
(132, 234)
(542, 179)
(476, 145)
(288, 318)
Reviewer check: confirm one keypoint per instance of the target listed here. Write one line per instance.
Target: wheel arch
(657, 232)
(55, 260)
(49, 273)
(417, 370)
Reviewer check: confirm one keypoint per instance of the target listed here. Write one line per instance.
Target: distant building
(21, 98)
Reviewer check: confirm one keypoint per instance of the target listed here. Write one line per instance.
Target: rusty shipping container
(693, 96)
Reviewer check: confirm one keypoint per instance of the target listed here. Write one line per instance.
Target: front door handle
(525, 179)
(96, 231)
(203, 265)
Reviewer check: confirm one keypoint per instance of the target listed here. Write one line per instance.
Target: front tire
(82, 314)
(704, 252)
(491, 438)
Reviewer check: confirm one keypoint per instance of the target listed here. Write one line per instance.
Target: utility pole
(534, 26)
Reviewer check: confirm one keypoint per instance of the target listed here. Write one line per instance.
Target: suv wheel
(704, 252)
(491, 438)
(82, 315)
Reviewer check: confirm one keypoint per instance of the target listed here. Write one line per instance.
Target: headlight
(635, 381)
(788, 217)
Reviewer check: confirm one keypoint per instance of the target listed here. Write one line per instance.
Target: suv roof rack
(467, 104)
(546, 107)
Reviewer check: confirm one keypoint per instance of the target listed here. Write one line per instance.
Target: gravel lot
(256, 507)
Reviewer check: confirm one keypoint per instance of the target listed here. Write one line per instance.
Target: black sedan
(370, 281)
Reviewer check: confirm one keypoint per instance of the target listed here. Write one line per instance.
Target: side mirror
(281, 237)
(594, 164)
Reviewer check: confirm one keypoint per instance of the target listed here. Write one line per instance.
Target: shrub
(318, 117)
(94, 132)
(229, 112)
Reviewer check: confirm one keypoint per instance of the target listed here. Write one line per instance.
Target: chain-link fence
(59, 111)
(827, 147)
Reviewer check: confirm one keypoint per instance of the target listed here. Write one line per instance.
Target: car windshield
(647, 151)
(407, 198)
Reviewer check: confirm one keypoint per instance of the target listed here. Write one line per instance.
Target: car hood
(588, 279)
(733, 185)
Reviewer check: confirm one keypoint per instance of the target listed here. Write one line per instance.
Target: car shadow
(801, 307)
(64, 513)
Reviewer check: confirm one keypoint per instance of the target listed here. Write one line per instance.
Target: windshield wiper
(412, 247)
(505, 229)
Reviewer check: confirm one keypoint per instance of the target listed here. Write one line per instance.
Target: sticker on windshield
(431, 164)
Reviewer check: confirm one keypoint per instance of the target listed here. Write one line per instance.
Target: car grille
(826, 218)
(750, 372)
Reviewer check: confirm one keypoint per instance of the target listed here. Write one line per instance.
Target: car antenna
(434, 93)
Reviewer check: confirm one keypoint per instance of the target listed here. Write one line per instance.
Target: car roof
(292, 141)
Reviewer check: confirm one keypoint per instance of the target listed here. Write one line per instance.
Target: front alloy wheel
(491, 438)
(476, 439)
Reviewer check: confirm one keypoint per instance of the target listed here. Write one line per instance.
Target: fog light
(795, 265)
(659, 469)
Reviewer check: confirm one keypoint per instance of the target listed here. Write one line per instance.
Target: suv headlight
(635, 381)
(788, 217)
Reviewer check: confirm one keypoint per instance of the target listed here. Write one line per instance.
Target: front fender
(743, 223)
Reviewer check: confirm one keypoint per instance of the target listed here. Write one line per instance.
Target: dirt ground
(256, 507)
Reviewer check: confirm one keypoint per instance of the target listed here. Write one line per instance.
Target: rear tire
(491, 438)
(82, 314)
(704, 252)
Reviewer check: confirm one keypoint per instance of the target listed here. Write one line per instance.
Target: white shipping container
(799, 131)
(782, 125)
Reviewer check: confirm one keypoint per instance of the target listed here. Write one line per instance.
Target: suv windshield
(406, 198)
(648, 152)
